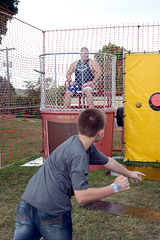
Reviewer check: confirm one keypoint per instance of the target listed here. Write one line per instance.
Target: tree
(118, 52)
(33, 93)
(53, 93)
(11, 8)
(11, 5)
(6, 92)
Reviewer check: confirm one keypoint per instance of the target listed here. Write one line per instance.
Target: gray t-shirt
(65, 170)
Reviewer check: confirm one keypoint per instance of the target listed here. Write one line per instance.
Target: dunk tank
(142, 107)
(60, 123)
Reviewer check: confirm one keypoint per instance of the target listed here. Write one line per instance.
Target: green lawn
(87, 225)
(19, 138)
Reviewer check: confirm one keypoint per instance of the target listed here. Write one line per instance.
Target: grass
(139, 164)
(19, 138)
(87, 225)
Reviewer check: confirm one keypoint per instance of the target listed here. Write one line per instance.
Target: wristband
(116, 188)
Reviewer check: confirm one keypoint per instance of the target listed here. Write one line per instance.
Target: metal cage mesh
(54, 67)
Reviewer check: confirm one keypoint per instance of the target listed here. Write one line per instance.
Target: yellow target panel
(142, 107)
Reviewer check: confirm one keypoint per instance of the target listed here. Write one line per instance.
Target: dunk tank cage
(60, 123)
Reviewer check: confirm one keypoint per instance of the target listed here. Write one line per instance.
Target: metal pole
(113, 65)
(83, 96)
(8, 79)
(42, 77)
(55, 84)
(43, 140)
(138, 38)
(123, 147)
(104, 81)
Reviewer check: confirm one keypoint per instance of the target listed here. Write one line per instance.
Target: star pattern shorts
(74, 88)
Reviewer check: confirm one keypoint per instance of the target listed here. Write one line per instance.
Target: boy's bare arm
(93, 194)
(114, 166)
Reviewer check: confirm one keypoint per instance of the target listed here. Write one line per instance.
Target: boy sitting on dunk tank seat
(87, 72)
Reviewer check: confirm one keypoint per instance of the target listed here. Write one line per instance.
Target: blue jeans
(32, 224)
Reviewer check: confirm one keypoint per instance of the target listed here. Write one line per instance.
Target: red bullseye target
(154, 101)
